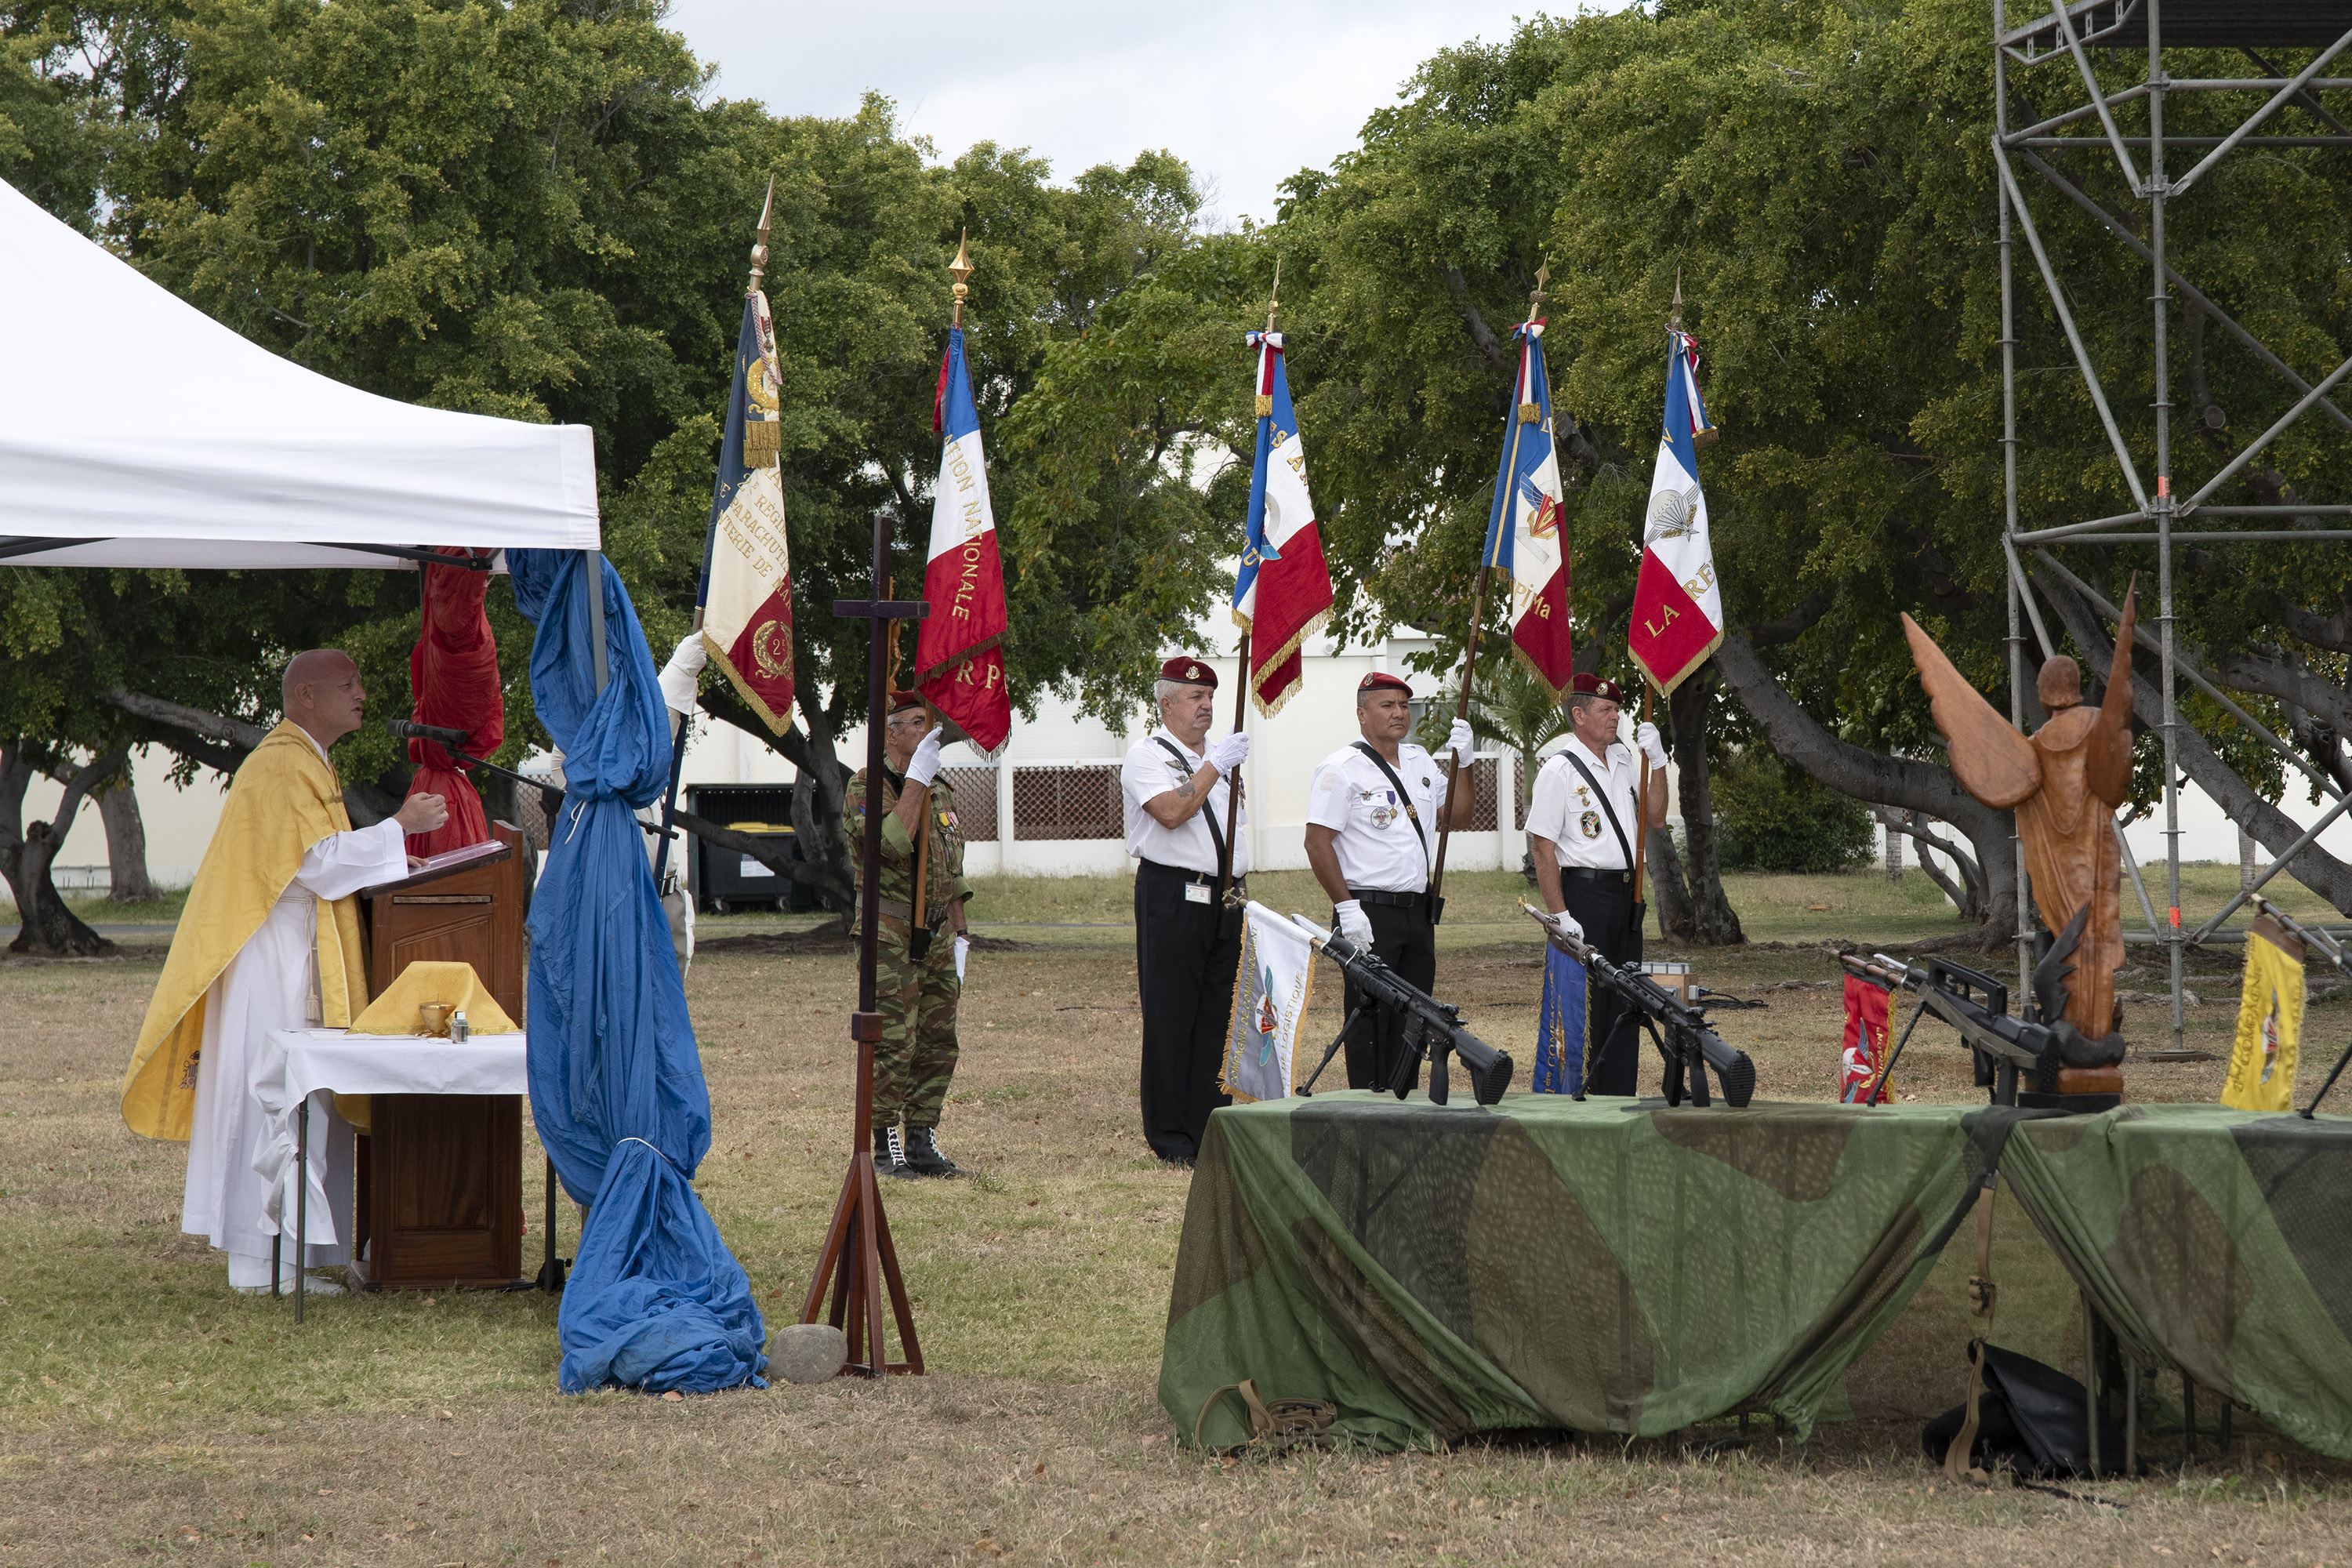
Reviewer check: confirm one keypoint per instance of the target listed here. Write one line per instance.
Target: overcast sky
(1247, 92)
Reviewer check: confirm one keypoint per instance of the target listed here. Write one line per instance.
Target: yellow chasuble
(284, 799)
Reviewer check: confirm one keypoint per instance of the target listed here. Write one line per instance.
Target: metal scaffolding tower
(2058, 59)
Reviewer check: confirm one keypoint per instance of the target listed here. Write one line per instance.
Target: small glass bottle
(459, 1030)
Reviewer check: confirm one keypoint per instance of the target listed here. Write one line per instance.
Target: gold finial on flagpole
(760, 244)
(1274, 295)
(1536, 297)
(960, 269)
(1675, 321)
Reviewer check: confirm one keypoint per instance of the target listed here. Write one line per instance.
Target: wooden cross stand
(859, 1260)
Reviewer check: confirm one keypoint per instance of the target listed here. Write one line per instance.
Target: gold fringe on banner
(763, 442)
(1530, 413)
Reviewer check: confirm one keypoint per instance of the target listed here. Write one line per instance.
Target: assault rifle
(1975, 1004)
(1433, 1029)
(1679, 1030)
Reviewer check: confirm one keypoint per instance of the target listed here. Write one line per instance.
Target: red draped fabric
(454, 673)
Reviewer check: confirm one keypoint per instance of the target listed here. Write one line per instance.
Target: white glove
(1458, 740)
(1354, 925)
(1227, 753)
(1565, 924)
(1646, 735)
(924, 766)
(962, 951)
(677, 677)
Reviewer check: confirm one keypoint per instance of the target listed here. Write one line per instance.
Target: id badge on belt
(1196, 892)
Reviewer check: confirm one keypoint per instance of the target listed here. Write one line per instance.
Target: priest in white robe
(269, 939)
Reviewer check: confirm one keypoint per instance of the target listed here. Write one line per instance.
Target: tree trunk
(1667, 893)
(206, 738)
(47, 929)
(126, 846)
(1713, 922)
(1873, 776)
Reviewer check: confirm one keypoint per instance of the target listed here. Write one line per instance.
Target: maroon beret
(1186, 670)
(902, 700)
(1598, 686)
(1382, 681)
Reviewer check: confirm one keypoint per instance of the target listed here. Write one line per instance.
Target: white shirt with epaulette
(1565, 809)
(1377, 846)
(1150, 772)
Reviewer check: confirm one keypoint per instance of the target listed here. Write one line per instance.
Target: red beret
(1598, 686)
(902, 700)
(1186, 670)
(1382, 681)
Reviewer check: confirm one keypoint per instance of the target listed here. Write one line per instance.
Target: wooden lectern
(440, 1176)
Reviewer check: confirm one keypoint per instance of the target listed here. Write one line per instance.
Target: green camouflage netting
(2216, 1241)
(1610, 1267)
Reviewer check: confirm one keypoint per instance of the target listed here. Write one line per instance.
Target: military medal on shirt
(1383, 802)
(1590, 821)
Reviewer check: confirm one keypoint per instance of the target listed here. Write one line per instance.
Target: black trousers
(1613, 925)
(1405, 941)
(1185, 958)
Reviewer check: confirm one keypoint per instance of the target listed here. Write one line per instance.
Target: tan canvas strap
(1983, 1295)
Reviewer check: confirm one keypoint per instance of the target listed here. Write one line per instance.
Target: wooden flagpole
(1477, 620)
(919, 938)
(1241, 683)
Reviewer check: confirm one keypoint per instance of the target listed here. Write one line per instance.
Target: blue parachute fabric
(655, 1301)
(612, 1060)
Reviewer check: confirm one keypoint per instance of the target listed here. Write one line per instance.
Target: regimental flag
(1282, 591)
(1525, 538)
(747, 580)
(1271, 989)
(1678, 605)
(1865, 1050)
(1559, 1026)
(960, 650)
(2270, 1023)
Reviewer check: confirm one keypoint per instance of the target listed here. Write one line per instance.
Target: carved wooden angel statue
(2065, 781)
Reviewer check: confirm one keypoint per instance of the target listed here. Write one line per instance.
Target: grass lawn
(147, 1415)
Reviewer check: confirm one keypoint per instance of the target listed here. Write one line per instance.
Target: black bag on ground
(2031, 1417)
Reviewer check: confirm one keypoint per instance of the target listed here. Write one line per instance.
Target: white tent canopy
(137, 431)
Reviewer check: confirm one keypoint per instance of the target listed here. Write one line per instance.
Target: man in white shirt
(1582, 822)
(1187, 944)
(1372, 832)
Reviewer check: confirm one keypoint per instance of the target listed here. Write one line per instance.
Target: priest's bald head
(323, 694)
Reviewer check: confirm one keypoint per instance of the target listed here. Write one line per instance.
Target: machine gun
(1977, 1005)
(1679, 1030)
(1433, 1029)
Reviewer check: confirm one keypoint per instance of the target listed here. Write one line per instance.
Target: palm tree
(1511, 708)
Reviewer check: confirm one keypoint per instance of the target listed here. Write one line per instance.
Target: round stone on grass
(807, 1352)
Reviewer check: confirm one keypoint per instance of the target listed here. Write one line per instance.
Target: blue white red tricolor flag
(1525, 538)
(960, 651)
(1282, 591)
(747, 579)
(1677, 605)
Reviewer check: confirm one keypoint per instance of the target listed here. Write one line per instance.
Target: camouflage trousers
(916, 1060)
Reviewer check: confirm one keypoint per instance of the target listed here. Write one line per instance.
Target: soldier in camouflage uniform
(916, 1059)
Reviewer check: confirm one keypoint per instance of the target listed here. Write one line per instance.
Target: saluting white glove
(924, 766)
(1565, 924)
(1227, 753)
(1354, 925)
(1646, 735)
(679, 684)
(1459, 740)
(962, 952)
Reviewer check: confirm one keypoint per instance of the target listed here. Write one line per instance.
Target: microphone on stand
(403, 730)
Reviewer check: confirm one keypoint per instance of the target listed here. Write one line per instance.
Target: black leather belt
(1374, 897)
(1586, 874)
(1206, 878)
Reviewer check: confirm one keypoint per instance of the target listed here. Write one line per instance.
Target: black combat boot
(890, 1153)
(923, 1156)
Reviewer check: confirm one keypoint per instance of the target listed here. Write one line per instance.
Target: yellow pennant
(2269, 1022)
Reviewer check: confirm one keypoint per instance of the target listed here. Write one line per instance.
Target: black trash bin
(724, 879)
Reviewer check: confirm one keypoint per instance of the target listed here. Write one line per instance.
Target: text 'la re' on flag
(1677, 604)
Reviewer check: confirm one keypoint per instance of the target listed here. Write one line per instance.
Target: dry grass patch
(146, 1414)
